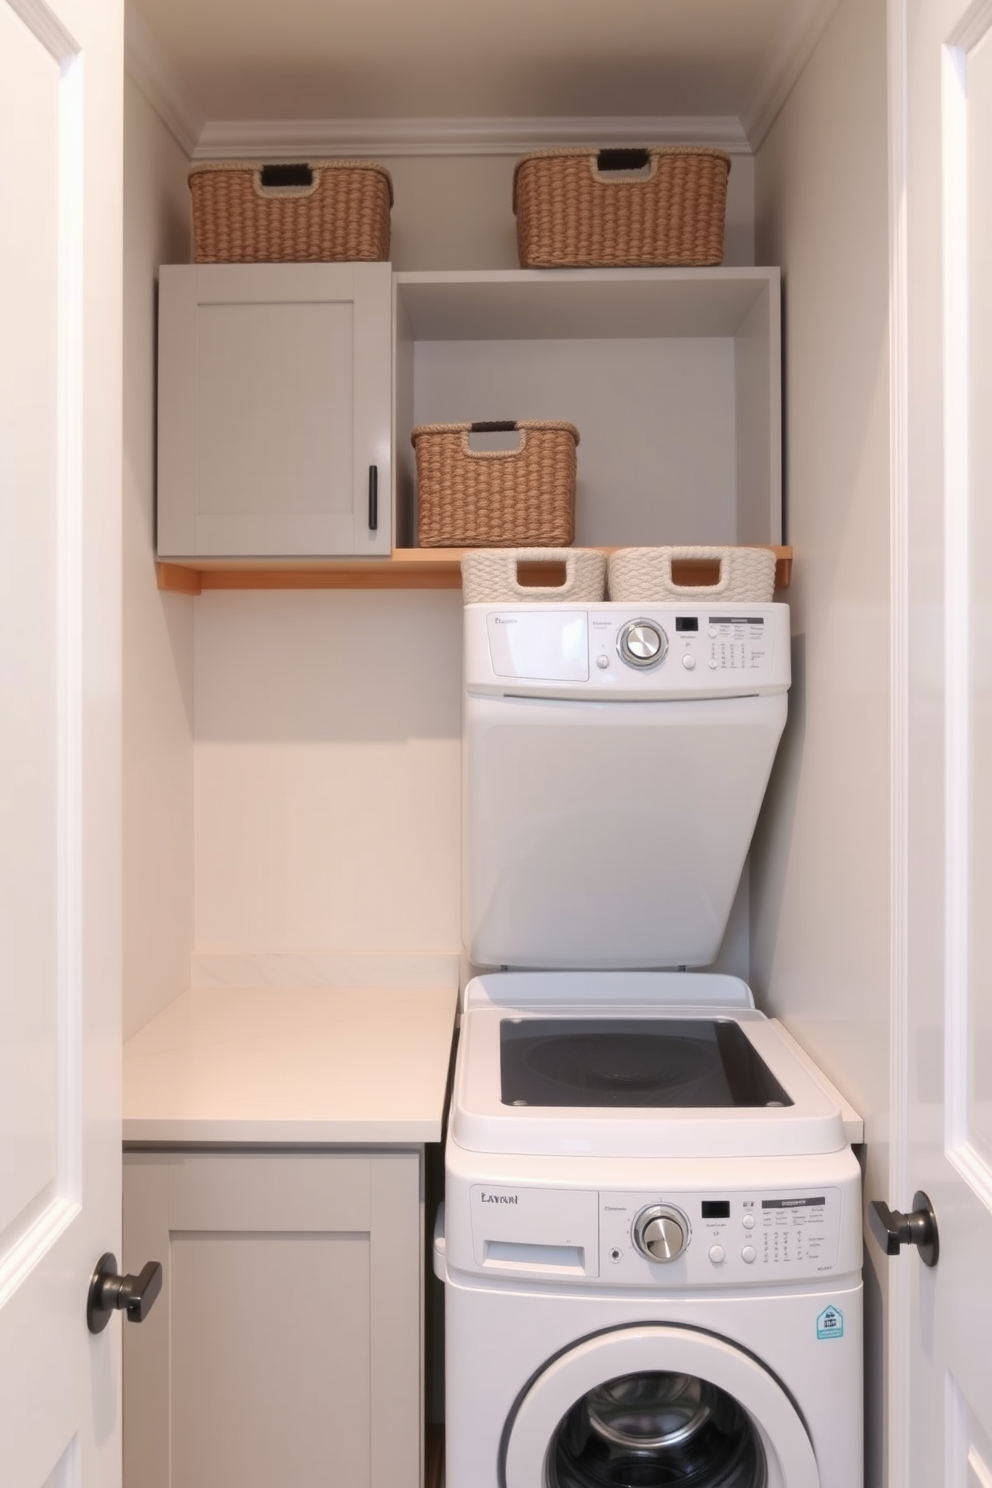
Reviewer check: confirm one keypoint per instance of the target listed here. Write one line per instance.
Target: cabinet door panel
(286, 1345)
(274, 401)
(257, 431)
(270, 1359)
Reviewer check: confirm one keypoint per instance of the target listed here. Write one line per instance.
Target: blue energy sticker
(830, 1323)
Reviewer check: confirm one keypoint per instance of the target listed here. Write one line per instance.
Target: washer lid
(600, 1062)
(483, 1120)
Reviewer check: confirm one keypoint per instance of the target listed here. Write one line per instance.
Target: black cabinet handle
(373, 498)
(132, 1295)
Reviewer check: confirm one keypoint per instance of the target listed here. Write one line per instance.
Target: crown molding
(313, 139)
(154, 75)
(803, 23)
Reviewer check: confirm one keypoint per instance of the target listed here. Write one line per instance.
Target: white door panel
(60, 288)
(941, 1404)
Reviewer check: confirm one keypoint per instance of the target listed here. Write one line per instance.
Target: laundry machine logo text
(489, 1198)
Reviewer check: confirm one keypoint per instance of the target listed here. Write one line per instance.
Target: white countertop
(295, 1065)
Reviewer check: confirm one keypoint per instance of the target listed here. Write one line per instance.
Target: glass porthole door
(657, 1407)
(644, 1430)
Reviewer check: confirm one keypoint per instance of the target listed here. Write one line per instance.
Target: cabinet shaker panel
(275, 389)
(286, 1345)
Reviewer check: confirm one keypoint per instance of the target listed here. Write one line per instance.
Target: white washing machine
(651, 1242)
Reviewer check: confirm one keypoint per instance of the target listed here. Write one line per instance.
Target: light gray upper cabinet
(275, 397)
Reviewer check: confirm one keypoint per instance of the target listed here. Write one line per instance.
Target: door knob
(893, 1230)
(132, 1295)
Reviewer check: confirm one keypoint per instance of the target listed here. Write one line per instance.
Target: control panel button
(749, 1254)
(713, 663)
(749, 1221)
(689, 662)
(717, 1254)
(602, 662)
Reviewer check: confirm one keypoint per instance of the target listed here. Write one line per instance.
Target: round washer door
(657, 1404)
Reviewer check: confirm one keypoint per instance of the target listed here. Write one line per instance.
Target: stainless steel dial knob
(661, 1232)
(642, 644)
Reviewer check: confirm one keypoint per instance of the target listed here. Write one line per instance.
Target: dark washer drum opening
(656, 1430)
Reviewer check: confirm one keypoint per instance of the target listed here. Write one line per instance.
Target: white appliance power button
(689, 662)
(717, 1254)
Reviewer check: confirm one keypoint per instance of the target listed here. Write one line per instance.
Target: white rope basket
(489, 575)
(642, 575)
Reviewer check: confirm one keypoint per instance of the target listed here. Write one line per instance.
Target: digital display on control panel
(686, 622)
(716, 1209)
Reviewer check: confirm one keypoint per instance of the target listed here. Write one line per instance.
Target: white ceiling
(540, 60)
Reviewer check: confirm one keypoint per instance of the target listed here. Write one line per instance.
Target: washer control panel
(760, 1237)
(703, 1237)
(665, 651)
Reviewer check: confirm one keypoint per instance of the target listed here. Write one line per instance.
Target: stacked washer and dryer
(651, 1238)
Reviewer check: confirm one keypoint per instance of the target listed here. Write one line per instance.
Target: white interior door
(60, 455)
(941, 1397)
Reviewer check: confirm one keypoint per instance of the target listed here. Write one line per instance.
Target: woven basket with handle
(472, 498)
(493, 575)
(643, 575)
(327, 211)
(621, 208)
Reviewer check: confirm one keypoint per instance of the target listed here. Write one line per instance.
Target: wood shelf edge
(175, 578)
(408, 568)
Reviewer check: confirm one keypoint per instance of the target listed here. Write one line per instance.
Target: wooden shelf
(408, 568)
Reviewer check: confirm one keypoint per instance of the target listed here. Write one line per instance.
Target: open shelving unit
(673, 377)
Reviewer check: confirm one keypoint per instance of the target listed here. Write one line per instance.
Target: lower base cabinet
(286, 1346)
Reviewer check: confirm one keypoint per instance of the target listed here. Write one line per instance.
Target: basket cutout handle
(696, 573)
(494, 426)
(617, 164)
(275, 181)
(535, 573)
(539, 575)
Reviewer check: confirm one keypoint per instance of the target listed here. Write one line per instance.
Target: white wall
(292, 760)
(328, 731)
(327, 735)
(820, 863)
(158, 628)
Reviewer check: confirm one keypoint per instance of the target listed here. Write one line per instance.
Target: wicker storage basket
(643, 575)
(588, 208)
(496, 498)
(489, 575)
(325, 212)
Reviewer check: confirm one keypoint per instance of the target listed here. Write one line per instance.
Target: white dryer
(651, 1240)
